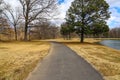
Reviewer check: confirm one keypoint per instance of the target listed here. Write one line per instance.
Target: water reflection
(111, 43)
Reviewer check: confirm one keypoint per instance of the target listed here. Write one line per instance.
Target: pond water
(111, 43)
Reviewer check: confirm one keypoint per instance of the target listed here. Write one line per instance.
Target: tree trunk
(69, 36)
(15, 29)
(26, 29)
(29, 34)
(82, 36)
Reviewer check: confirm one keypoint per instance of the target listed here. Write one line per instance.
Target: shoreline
(107, 38)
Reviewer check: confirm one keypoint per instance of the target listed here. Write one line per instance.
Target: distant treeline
(39, 30)
(114, 32)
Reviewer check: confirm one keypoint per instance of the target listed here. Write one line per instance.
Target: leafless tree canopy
(13, 16)
(44, 30)
(1, 6)
(36, 9)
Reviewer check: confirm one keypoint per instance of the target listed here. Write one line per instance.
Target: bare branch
(36, 9)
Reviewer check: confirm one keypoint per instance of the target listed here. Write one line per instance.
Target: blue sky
(60, 1)
(114, 20)
(118, 9)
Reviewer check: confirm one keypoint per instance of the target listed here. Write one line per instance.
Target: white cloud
(114, 20)
(13, 3)
(114, 3)
(63, 7)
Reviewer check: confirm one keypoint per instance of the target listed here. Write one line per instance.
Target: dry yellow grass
(17, 59)
(106, 60)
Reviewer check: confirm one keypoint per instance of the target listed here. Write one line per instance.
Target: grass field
(18, 59)
(106, 60)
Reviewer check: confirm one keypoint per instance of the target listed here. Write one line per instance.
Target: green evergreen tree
(63, 30)
(66, 30)
(99, 28)
(85, 13)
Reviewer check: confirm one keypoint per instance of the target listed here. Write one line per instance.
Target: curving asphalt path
(64, 64)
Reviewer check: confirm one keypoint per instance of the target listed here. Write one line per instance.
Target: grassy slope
(106, 60)
(17, 59)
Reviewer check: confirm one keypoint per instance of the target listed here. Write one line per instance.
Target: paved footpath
(63, 64)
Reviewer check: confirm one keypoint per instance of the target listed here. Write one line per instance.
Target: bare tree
(5, 30)
(44, 30)
(36, 9)
(13, 16)
(2, 7)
